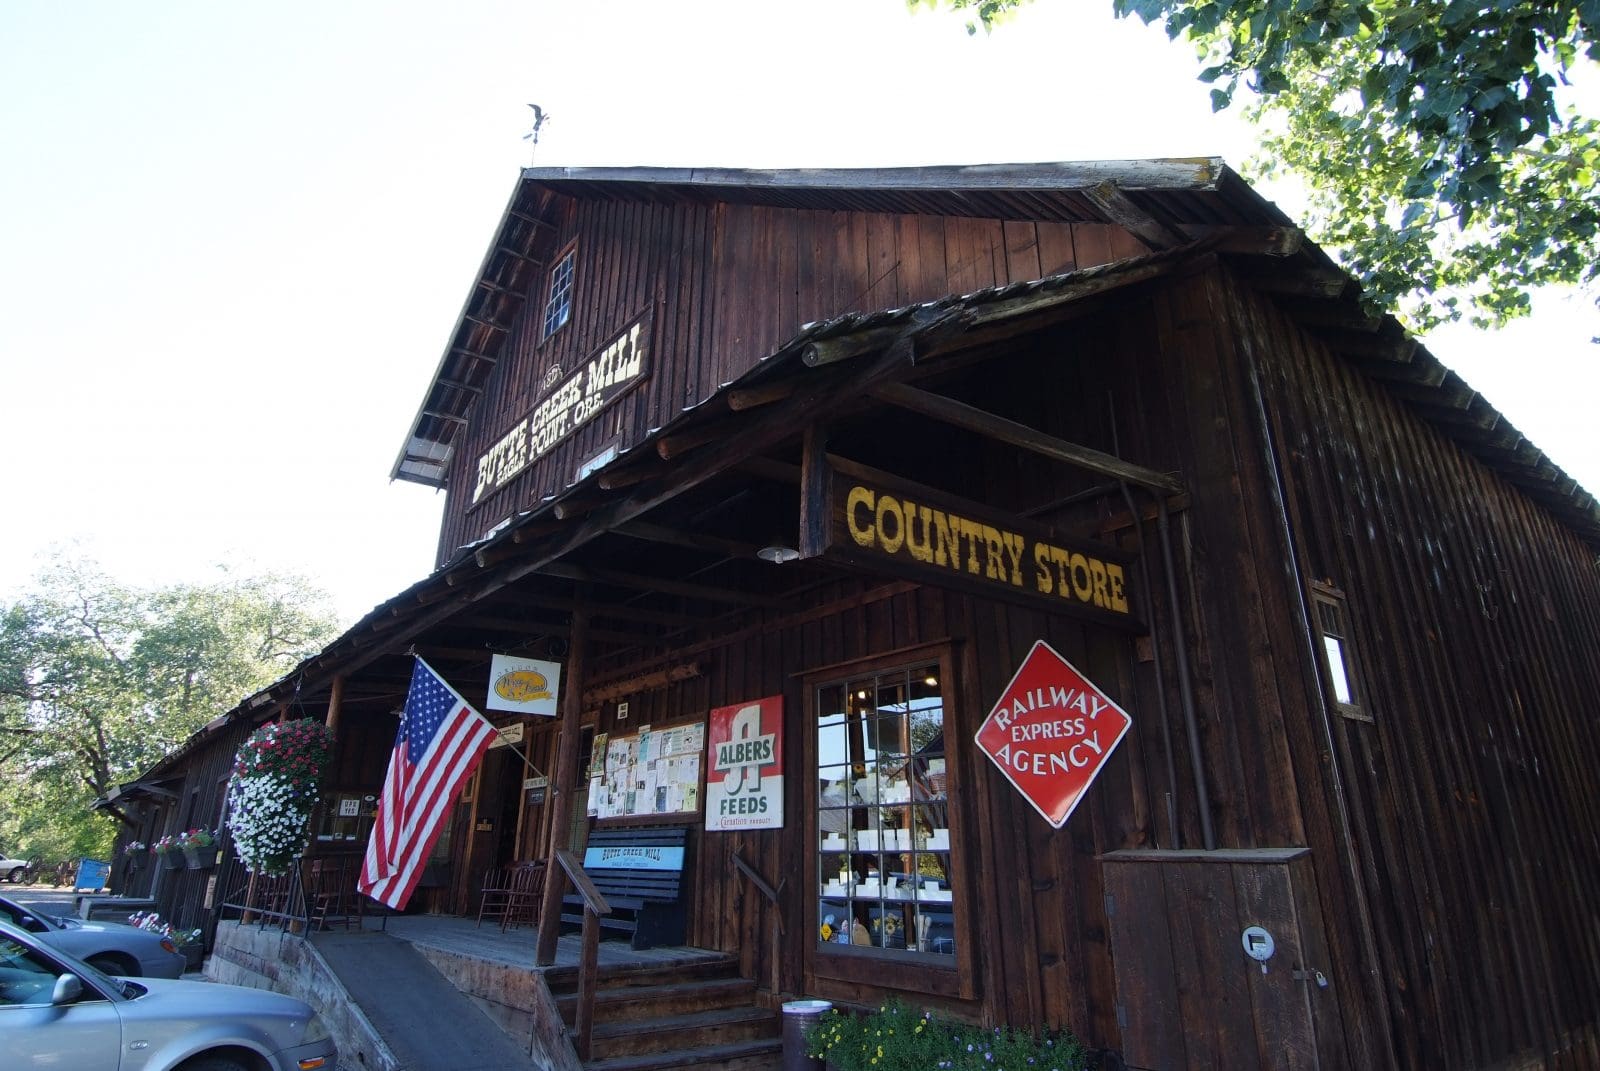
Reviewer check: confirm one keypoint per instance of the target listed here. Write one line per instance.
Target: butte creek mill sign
(616, 368)
(1051, 733)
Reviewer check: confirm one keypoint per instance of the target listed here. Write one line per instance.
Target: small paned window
(558, 306)
(1338, 654)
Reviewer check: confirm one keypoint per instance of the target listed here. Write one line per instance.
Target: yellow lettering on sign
(898, 527)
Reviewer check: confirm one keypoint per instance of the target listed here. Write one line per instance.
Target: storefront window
(883, 863)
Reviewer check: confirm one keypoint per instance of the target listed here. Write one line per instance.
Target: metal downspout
(1191, 723)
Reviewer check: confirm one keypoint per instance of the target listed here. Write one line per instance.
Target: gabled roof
(1170, 204)
(1166, 203)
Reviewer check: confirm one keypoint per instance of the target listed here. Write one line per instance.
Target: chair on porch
(331, 896)
(511, 895)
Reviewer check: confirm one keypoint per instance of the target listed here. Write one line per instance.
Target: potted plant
(199, 847)
(135, 854)
(169, 852)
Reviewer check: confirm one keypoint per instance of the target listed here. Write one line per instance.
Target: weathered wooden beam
(456, 384)
(474, 354)
(658, 533)
(1047, 298)
(661, 585)
(528, 532)
(1121, 210)
(578, 506)
(451, 417)
(767, 468)
(844, 347)
(481, 322)
(644, 682)
(515, 292)
(534, 220)
(1339, 315)
(617, 479)
(672, 446)
(518, 254)
(999, 428)
(742, 398)
(1250, 241)
(612, 611)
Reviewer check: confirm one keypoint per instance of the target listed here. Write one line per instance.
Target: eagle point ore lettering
(898, 527)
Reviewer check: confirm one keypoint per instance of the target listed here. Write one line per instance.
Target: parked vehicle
(108, 946)
(58, 1012)
(13, 870)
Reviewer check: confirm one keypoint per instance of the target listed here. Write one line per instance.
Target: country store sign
(856, 514)
(576, 400)
(1051, 733)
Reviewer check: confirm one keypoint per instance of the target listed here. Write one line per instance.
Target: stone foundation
(287, 963)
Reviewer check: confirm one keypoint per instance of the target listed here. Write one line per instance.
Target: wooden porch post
(335, 701)
(565, 778)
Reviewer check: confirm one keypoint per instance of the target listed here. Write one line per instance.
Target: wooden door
(1189, 995)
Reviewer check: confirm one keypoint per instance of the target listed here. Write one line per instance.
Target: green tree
(99, 680)
(1445, 157)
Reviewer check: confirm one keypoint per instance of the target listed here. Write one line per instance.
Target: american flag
(440, 741)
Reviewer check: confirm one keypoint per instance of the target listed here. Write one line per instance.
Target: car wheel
(213, 1063)
(15, 877)
(110, 964)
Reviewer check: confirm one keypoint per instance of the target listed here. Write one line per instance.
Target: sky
(235, 238)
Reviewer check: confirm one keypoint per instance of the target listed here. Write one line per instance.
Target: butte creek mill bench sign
(1051, 733)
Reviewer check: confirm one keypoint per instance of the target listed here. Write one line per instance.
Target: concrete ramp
(426, 1022)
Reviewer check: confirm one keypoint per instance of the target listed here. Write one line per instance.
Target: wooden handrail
(593, 899)
(771, 894)
(594, 905)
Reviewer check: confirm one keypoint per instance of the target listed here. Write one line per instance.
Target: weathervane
(539, 120)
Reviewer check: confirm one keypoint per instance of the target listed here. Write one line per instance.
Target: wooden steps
(691, 1015)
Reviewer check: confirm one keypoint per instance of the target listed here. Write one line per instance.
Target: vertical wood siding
(726, 286)
(1476, 625)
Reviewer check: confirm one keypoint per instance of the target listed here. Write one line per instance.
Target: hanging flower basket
(173, 860)
(277, 776)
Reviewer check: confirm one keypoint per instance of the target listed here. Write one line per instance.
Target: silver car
(59, 1012)
(108, 946)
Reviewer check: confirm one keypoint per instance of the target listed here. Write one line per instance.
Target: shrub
(900, 1038)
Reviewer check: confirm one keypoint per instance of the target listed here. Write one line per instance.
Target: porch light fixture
(777, 553)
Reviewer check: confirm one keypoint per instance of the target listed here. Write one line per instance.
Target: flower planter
(200, 858)
(172, 860)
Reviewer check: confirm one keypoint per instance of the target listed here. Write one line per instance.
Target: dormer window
(558, 306)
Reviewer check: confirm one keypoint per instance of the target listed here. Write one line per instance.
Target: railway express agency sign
(1051, 733)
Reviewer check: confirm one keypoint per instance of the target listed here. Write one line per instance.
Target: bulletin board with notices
(654, 772)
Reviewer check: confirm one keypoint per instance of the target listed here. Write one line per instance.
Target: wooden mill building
(856, 442)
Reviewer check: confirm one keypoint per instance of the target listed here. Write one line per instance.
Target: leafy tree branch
(1448, 161)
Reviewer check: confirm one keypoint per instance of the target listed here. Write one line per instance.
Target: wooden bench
(639, 871)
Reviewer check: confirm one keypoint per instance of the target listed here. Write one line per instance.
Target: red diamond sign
(1051, 733)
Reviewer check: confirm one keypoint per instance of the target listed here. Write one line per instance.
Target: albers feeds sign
(1051, 733)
